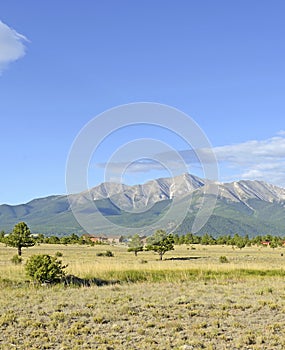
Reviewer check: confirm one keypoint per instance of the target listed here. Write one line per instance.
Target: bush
(142, 261)
(16, 260)
(58, 254)
(107, 253)
(223, 259)
(44, 268)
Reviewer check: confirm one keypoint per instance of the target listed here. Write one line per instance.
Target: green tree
(65, 240)
(135, 244)
(208, 239)
(223, 239)
(275, 242)
(52, 240)
(240, 243)
(160, 243)
(73, 239)
(40, 238)
(20, 237)
(256, 240)
(190, 238)
(177, 239)
(2, 236)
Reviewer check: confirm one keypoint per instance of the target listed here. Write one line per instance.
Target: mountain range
(173, 204)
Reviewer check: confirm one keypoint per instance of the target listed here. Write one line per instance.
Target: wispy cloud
(263, 159)
(12, 46)
(253, 151)
(140, 166)
(252, 160)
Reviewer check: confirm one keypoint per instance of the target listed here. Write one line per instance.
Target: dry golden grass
(198, 303)
(83, 262)
(236, 314)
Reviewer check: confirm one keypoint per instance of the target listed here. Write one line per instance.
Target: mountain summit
(244, 207)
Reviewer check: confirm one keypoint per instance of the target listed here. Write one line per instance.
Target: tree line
(160, 242)
(236, 240)
(40, 238)
(45, 268)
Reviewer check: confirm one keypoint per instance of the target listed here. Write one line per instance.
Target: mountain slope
(244, 207)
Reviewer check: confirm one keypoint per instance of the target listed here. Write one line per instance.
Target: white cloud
(255, 160)
(140, 166)
(252, 151)
(252, 160)
(11, 45)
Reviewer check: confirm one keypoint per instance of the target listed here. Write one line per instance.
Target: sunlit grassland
(194, 262)
(191, 302)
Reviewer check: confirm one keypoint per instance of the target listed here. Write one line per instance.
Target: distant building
(95, 239)
(103, 238)
(115, 239)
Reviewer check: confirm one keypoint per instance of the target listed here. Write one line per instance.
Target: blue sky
(64, 62)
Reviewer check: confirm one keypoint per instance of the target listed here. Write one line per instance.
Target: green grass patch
(153, 276)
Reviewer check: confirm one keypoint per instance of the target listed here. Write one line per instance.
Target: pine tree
(135, 244)
(20, 237)
(160, 243)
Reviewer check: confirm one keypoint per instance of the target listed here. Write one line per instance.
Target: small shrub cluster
(143, 261)
(108, 253)
(223, 259)
(16, 259)
(58, 254)
(44, 268)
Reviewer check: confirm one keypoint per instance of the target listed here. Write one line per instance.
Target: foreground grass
(194, 303)
(236, 314)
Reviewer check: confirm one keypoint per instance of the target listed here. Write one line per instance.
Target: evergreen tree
(135, 244)
(2, 235)
(20, 237)
(160, 243)
(207, 239)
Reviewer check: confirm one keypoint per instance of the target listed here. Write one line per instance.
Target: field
(190, 300)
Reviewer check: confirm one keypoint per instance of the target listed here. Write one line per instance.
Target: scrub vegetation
(189, 300)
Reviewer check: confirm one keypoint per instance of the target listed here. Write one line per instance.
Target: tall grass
(201, 263)
(197, 302)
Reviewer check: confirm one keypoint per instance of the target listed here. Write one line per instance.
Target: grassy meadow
(190, 300)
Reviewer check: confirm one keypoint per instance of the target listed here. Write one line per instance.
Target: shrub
(108, 253)
(142, 261)
(16, 260)
(223, 259)
(58, 254)
(45, 268)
